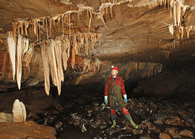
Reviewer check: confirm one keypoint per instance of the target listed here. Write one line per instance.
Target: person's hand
(125, 100)
(106, 101)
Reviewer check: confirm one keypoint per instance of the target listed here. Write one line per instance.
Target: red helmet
(115, 68)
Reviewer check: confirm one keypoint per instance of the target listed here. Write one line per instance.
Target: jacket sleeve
(106, 88)
(123, 87)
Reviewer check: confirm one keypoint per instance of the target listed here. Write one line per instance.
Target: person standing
(114, 89)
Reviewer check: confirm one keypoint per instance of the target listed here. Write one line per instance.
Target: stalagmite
(19, 61)
(44, 54)
(12, 52)
(19, 111)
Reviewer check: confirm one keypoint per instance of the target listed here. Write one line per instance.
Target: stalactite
(19, 61)
(75, 45)
(68, 47)
(25, 44)
(178, 9)
(28, 55)
(73, 58)
(58, 54)
(60, 74)
(65, 54)
(175, 13)
(82, 40)
(178, 32)
(93, 40)
(44, 54)
(97, 64)
(34, 21)
(46, 26)
(86, 44)
(63, 24)
(20, 28)
(12, 52)
(52, 62)
(182, 31)
(102, 15)
(90, 18)
(188, 29)
(99, 37)
(14, 26)
(50, 26)
(171, 29)
(26, 27)
(103, 10)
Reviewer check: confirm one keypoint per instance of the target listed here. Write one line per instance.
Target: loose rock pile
(158, 118)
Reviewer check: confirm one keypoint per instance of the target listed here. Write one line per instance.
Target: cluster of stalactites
(18, 48)
(105, 9)
(20, 27)
(177, 11)
(56, 52)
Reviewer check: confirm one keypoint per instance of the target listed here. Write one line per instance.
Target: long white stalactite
(44, 54)
(19, 61)
(12, 52)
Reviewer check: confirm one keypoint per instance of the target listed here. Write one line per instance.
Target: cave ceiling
(159, 31)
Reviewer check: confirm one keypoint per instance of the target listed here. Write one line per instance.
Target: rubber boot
(128, 117)
(133, 124)
(114, 124)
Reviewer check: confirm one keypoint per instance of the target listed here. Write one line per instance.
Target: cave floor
(85, 115)
(81, 113)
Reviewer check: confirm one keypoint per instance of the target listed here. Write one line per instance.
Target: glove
(106, 100)
(125, 98)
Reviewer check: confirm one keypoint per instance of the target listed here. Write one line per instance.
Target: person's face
(114, 72)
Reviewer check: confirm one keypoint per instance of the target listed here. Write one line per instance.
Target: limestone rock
(19, 111)
(6, 117)
(164, 136)
(160, 85)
